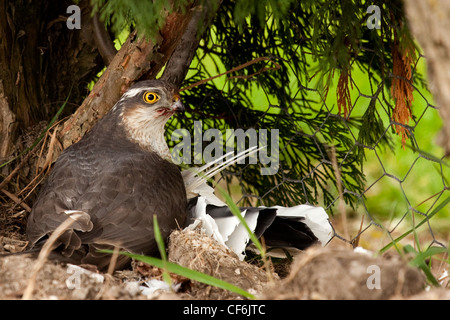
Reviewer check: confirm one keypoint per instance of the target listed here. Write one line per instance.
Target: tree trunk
(429, 22)
(7, 124)
(178, 65)
(40, 61)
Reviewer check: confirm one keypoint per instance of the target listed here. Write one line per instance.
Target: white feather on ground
(217, 220)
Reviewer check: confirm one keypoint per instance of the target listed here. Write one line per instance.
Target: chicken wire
(414, 174)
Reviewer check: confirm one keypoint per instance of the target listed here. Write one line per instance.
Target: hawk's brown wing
(125, 197)
(120, 187)
(68, 180)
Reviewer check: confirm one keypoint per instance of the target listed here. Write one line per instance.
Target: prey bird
(114, 180)
(287, 228)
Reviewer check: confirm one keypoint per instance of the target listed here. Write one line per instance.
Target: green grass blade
(426, 254)
(436, 210)
(237, 212)
(419, 261)
(162, 249)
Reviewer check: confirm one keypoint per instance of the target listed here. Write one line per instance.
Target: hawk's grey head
(144, 110)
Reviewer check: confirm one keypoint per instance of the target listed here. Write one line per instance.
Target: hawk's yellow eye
(150, 97)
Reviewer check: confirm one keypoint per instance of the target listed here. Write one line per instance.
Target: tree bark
(178, 65)
(7, 124)
(429, 22)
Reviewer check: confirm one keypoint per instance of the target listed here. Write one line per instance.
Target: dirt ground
(317, 273)
(334, 272)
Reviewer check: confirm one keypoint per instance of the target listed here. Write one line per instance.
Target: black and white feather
(291, 228)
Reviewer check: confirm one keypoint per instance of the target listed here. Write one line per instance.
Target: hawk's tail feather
(296, 227)
(196, 178)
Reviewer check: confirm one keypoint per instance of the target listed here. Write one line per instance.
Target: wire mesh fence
(380, 180)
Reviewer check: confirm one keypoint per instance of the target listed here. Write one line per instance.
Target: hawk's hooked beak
(177, 106)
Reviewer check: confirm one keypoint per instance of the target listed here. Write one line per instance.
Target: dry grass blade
(16, 200)
(112, 264)
(341, 204)
(16, 170)
(355, 241)
(43, 255)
